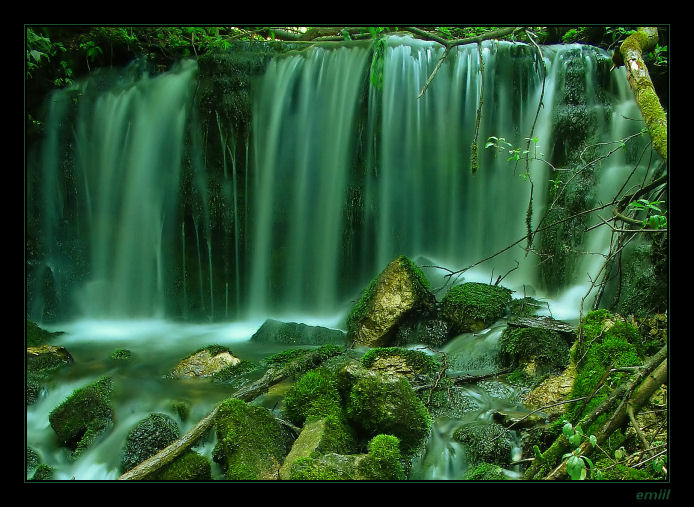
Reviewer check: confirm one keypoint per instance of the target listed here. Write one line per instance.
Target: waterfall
(333, 179)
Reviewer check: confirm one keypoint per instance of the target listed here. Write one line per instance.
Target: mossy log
(246, 393)
(631, 50)
(621, 393)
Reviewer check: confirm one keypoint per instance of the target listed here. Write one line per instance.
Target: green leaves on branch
(576, 464)
(653, 221)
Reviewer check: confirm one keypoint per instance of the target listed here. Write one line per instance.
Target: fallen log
(247, 393)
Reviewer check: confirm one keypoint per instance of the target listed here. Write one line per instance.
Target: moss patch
(473, 306)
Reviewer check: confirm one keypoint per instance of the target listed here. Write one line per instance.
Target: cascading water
(336, 178)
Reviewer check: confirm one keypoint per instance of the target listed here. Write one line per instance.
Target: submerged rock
(47, 357)
(293, 333)
(390, 298)
(205, 363)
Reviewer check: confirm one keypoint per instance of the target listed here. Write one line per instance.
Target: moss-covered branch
(631, 51)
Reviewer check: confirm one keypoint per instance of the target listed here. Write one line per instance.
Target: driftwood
(547, 323)
(246, 393)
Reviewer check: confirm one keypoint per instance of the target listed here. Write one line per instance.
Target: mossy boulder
(535, 350)
(473, 306)
(378, 403)
(146, 438)
(205, 362)
(294, 333)
(84, 416)
(397, 361)
(485, 442)
(43, 358)
(318, 437)
(393, 296)
(313, 395)
(251, 443)
(36, 335)
(381, 463)
(191, 466)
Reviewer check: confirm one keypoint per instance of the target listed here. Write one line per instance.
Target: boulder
(47, 357)
(146, 438)
(84, 416)
(251, 443)
(205, 363)
(400, 290)
(293, 333)
(472, 307)
(485, 443)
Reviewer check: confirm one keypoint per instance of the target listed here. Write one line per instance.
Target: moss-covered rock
(43, 473)
(146, 438)
(191, 466)
(121, 354)
(390, 298)
(485, 442)
(381, 463)
(205, 362)
(47, 357)
(400, 362)
(384, 404)
(313, 395)
(251, 443)
(473, 306)
(84, 416)
(36, 335)
(538, 351)
(294, 333)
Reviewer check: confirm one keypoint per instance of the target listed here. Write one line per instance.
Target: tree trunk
(631, 50)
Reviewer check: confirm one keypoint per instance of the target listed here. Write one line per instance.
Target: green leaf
(576, 468)
(568, 430)
(593, 440)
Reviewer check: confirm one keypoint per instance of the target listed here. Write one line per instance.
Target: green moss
(84, 415)
(383, 461)
(43, 473)
(361, 307)
(485, 442)
(547, 349)
(191, 466)
(146, 438)
(486, 472)
(232, 373)
(122, 354)
(314, 395)
(607, 343)
(376, 406)
(251, 443)
(36, 336)
(474, 306)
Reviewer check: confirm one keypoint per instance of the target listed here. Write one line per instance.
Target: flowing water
(337, 178)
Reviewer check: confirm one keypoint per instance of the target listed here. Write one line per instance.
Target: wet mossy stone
(379, 403)
(47, 357)
(191, 466)
(381, 463)
(485, 442)
(486, 472)
(148, 437)
(251, 443)
(474, 306)
(294, 333)
(545, 349)
(84, 416)
(313, 395)
(36, 335)
(398, 291)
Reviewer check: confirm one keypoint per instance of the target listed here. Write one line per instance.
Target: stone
(204, 363)
(390, 298)
(294, 333)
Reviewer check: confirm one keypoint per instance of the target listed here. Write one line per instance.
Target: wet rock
(47, 357)
(146, 438)
(293, 333)
(205, 363)
(473, 306)
(388, 301)
(485, 442)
